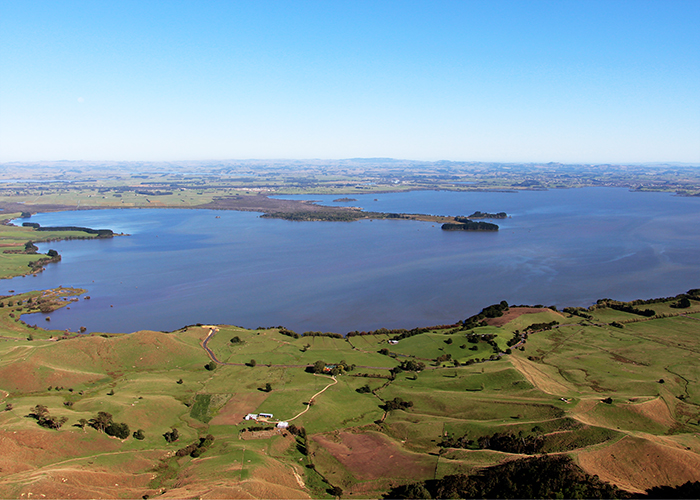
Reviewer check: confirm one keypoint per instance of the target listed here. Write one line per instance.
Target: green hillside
(619, 400)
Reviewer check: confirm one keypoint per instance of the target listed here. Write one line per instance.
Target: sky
(490, 80)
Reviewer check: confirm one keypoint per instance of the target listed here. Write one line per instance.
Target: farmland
(617, 400)
(610, 386)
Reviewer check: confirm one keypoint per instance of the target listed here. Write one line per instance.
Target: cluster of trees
(154, 193)
(302, 439)
(411, 365)
(197, 448)
(172, 435)
(683, 303)
(693, 293)
(443, 358)
(365, 389)
(30, 247)
(44, 418)
(103, 423)
(505, 442)
(648, 313)
(320, 366)
(101, 233)
(288, 332)
(322, 334)
(402, 333)
(492, 311)
(685, 490)
(340, 215)
(257, 428)
(536, 327)
(483, 215)
(537, 477)
(578, 311)
(517, 337)
(36, 265)
(489, 338)
(469, 225)
(397, 404)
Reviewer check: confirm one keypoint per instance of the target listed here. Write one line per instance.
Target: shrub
(119, 430)
(172, 436)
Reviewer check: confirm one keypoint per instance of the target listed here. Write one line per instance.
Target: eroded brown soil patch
(655, 410)
(637, 464)
(25, 450)
(512, 313)
(372, 455)
(238, 407)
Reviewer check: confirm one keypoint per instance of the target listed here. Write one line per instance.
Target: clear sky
(489, 80)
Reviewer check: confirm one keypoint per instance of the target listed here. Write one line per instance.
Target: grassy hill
(622, 400)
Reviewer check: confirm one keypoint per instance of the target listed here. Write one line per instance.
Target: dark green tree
(101, 421)
(119, 430)
(172, 435)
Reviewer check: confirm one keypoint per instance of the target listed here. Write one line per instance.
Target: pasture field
(14, 260)
(611, 397)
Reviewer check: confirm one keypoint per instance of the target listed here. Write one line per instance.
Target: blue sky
(514, 81)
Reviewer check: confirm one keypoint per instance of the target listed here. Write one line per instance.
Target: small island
(487, 215)
(344, 200)
(464, 224)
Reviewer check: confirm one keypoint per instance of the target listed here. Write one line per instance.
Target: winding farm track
(213, 357)
(335, 381)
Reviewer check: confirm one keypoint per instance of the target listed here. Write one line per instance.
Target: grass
(13, 238)
(135, 378)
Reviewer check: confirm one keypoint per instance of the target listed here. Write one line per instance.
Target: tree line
(469, 225)
(101, 233)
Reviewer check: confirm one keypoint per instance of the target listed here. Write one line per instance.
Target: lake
(180, 267)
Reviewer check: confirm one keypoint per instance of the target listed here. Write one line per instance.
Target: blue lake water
(560, 247)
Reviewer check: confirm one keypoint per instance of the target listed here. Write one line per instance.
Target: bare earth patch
(269, 480)
(537, 377)
(48, 464)
(637, 464)
(372, 455)
(26, 450)
(655, 410)
(28, 377)
(514, 312)
(238, 407)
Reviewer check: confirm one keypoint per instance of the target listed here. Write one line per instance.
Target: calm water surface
(561, 247)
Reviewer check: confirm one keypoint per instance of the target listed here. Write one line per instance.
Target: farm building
(282, 425)
(265, 415)
(251, 416)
